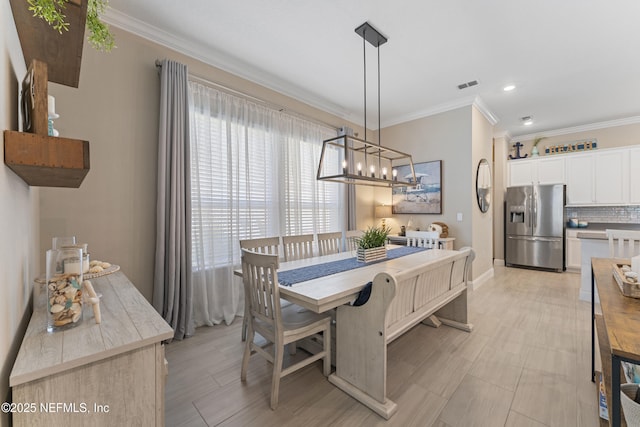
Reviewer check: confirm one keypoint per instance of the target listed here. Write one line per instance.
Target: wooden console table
(109, 374)
(618, 331)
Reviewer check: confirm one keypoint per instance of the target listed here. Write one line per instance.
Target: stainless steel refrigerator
(534, 226)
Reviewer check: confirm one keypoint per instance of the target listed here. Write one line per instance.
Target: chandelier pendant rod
(379, 122)
(364, 63)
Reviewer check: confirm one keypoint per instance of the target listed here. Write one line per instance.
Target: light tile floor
(526, 363)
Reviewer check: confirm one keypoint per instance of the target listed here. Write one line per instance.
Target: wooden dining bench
(396, 304)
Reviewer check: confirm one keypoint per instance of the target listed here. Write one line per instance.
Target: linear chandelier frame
(342, 157)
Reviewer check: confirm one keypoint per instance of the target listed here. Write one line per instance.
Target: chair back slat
(260, 278)
(330, 243)
(297, 247)
(264, 245)
(351, 239)
(623, 243)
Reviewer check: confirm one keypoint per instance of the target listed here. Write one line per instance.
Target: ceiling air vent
(467, 84)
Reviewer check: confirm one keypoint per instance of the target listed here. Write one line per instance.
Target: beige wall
(18, 215)
(446, 137)
(501, 147)
(481, 223)
(115, 108)
(615, 136)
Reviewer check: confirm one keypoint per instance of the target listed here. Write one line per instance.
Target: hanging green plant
(52, 11)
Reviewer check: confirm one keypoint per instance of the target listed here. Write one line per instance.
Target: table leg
(593, 329)
(614, 410)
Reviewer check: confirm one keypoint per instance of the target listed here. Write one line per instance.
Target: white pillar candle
(51, 101)
(72, 267)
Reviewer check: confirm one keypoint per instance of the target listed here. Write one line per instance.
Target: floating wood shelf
(46, 161)
(61, 52)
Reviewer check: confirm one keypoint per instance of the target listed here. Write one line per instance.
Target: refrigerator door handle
(535, 208)
(536, 239)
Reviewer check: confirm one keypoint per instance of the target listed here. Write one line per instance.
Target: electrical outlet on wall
(459, 217)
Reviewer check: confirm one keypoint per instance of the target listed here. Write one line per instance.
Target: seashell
(105, 265)
(70, 292)
(96, 269)
(76, 316)
(75, 307)
(56, 308)
(94, 262)
(625, 268)
(62, 322)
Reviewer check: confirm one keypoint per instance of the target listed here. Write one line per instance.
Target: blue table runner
(302, 274)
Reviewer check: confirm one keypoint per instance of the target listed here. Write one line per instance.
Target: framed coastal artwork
(423, 198)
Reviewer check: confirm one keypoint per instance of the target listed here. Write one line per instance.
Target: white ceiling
(574, 62)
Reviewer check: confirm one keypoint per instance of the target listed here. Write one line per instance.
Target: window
(254, 175)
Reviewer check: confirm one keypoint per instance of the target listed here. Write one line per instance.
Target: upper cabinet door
(551, 170)
(521, 172)
(634, 176)
(580, 177)
(611, 178)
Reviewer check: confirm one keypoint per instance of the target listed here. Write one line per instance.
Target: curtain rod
(236, 92)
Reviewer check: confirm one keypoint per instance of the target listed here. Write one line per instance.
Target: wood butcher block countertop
(621, 314)
(129, 322)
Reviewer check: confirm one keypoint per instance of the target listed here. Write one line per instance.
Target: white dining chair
(424, 239)
(263, 245)
(351, 239)
(297, 247)
(330, 243)
(623, 243)
(279, 326)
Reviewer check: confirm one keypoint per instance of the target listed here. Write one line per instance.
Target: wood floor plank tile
(518, 420)
(477, 403)
(544, 397)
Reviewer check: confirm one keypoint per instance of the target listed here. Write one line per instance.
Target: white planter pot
(372, 254)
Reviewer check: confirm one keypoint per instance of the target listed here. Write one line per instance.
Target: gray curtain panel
(172, 288)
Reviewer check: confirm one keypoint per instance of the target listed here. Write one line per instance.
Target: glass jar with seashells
(64, 288)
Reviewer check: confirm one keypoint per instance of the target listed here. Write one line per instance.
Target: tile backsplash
(622, 214)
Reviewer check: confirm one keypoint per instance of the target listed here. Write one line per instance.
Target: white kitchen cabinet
(550, 171)
(634, 176)
(580, 179)
(537, 171)
(572, 251)
(611, 180)
(521, 172)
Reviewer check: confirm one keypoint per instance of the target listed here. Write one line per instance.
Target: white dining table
(328, 292)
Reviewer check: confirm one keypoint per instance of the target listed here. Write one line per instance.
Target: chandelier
(352, 160)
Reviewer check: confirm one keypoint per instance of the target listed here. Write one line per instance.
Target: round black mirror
(483, 185)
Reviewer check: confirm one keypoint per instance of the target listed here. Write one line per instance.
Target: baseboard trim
(479, 281)
(498, 262)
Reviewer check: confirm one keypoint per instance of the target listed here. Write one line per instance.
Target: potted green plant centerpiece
(372, 244)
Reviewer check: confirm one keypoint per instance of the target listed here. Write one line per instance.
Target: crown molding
(581, 128)
(503, 134)
(488, 114)
(445, 107)
(221, 60)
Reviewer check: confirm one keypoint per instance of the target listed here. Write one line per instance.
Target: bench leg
(432, 321)
(454, 314)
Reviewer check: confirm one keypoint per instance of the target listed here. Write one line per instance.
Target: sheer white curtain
(253, 175)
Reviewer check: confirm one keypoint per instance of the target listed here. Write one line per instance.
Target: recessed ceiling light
(527, 120)
(509, 88)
